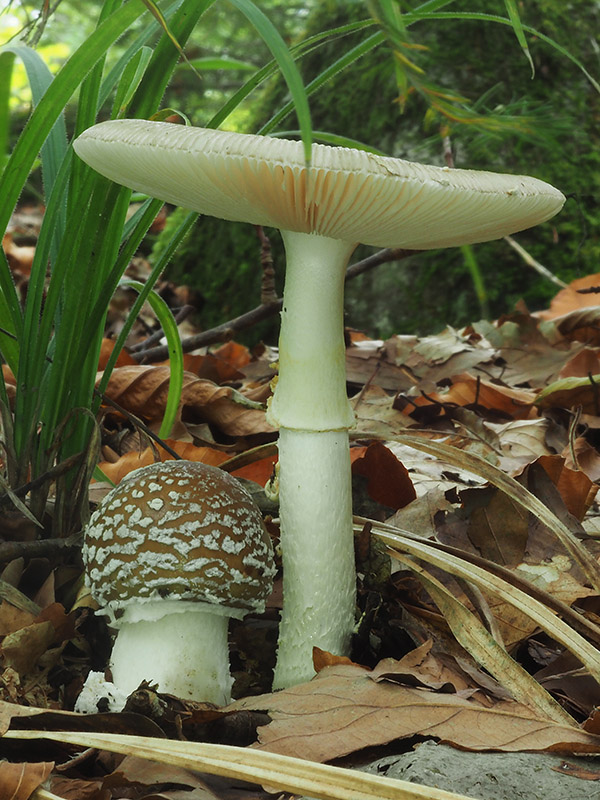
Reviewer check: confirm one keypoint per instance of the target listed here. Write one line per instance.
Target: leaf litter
(520, 392)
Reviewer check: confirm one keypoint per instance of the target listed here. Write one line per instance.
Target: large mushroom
(323, 210)
(171, 553)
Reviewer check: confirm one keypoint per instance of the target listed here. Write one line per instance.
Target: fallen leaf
(19, 781)
(143, 390)
(116, 471)
(388, 481)
(343, 710)
(571, 297)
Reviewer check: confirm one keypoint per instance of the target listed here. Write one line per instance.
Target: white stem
(311, 388)
(311, 407)
(319, 577)
(185, 652)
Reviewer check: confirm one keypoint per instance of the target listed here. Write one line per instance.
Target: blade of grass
(165, 57)
(326, 75)
(287, 65)
(11, 317)
(481, 17)
(286, 773)
(6, 71)
(131, 78)
(298, 51)
(169, 326)
(479, 466)
(54, 100)
(39, 77)
(493, 585)
(177, 237)
(473, 636)
(517, 25)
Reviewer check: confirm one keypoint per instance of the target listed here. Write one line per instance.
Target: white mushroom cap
(346, 194)
(179, 530)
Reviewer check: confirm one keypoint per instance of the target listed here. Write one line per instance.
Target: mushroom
(173, 551)
(323, 211)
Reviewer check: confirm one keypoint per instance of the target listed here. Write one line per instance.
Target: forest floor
(515, 397)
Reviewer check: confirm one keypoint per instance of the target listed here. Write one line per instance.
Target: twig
(531, 262)
(227, 330)
(181, 315)
(36, 548)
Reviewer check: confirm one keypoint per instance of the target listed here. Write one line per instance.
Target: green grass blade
(131, 77)
(144, 38)
(55, 98)
(515, 19)
(298, 51)
(287, 65)
(210, 63)
(176, 239)
(480, 17)
(334, 69)
(468, 254)
(164, 59)
(6, 68)
(40, 78)
(11, 319)
(169, 326)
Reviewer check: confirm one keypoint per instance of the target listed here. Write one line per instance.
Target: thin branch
(227, 330)
(531, 262)
(181, 315)
(37, 548)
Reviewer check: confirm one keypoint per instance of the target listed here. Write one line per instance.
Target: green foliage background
(555, 114)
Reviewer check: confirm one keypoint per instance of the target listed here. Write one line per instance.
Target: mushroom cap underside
(178, 530)
(346, 194)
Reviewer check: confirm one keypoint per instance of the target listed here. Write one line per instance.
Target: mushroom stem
(174, 644)
(312, 410)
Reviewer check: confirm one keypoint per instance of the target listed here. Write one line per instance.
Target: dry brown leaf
(376, 415)
(420, 667)
(585, 362)
(497, 526)
(469, 391)
(322, 659)
(19, 781)
(77, 788)
(388, 481)
(139, 778)
(578, 772)
(108, 345)
(374, 363)
(117, 470)
(143, 390)
(570, 298)
(22, 649)
(343, 710)
(575, 487)
(258, 471)
(42, 719)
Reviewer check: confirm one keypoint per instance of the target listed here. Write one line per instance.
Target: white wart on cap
(323, 210)
(170, 553)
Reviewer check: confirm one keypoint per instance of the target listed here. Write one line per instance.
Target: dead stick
(228, 329)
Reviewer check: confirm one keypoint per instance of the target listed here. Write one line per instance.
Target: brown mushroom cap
(178, 530)
(346, 194)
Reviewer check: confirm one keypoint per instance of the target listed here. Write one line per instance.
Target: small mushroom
(171, 553)
(323, 211)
